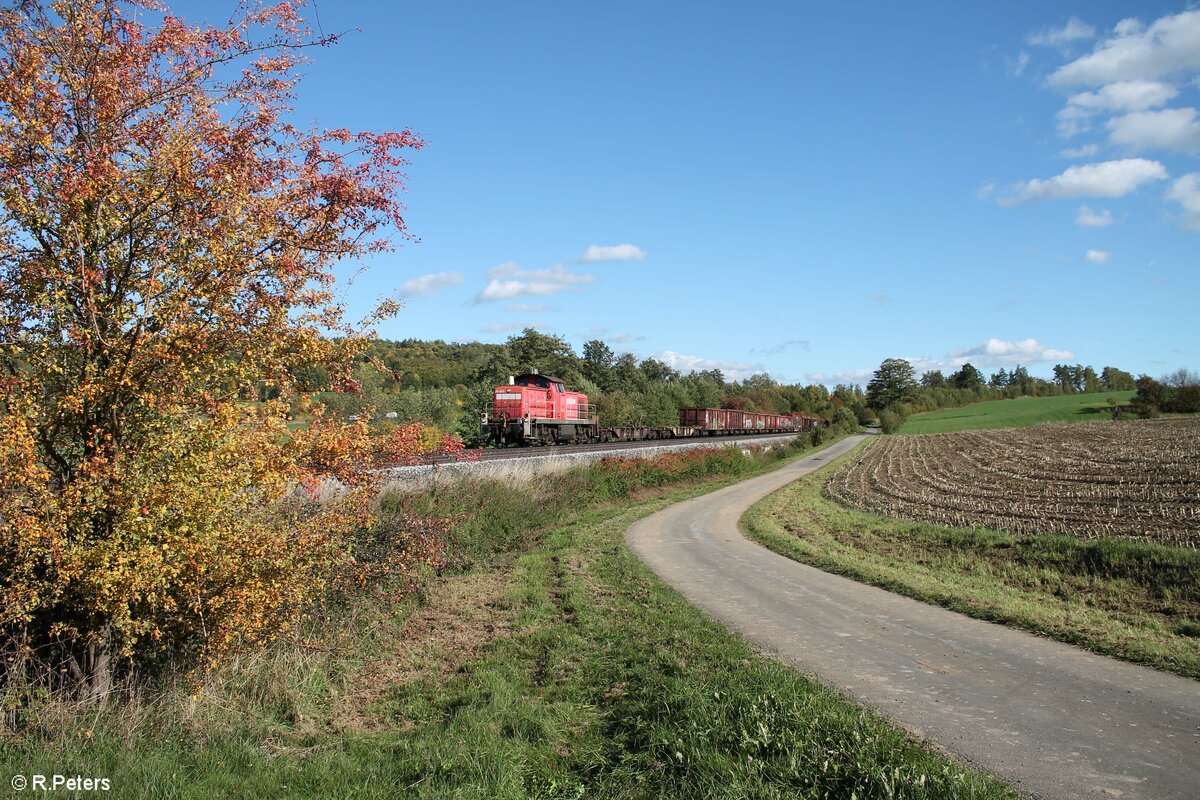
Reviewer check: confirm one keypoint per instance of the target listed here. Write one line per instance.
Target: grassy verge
(553, 666)
(1134, 600)
(1018, 413)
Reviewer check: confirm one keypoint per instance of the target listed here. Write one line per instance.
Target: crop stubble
(1133, 479)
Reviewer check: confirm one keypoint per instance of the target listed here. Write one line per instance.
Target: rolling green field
(1017, 413)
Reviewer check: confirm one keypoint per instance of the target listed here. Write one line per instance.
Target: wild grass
(573, 672)
(1138, 601)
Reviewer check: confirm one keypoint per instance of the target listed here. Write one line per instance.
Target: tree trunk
(99, 666)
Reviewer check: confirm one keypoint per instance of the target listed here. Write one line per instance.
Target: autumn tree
(1151, 395)
(166, 248)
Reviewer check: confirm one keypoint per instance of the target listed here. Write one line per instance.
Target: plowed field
(1138, 480)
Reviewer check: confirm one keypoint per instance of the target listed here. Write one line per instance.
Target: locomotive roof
(550, 378)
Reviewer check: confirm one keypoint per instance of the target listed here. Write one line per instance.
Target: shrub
(890, 421)
(1144, 410)
(152, 501)
(844, 420)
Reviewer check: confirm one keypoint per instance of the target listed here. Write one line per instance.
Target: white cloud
(1089, 218)
(849, 377)
(509, 281)
(1001, 353)
(501, 327)
(1080, 152)
(1103, 179)
(985, 190)
(428, 284)
(1124, 89)
(1186, 192)
(1072, 121)
(1073, 30)
(732, 370)
(1017, 65)
(1169, 45)
(1169, 129)
(1129, 27)
(782, 347)
(617, 252)
(921, 364)
(1097, 256)
(1125, 96)
(601, 332)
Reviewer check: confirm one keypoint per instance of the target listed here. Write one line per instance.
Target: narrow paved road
(1052, 720)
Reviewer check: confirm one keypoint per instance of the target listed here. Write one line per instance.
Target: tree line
(1178, 393)
(447, 384)
(895, 392)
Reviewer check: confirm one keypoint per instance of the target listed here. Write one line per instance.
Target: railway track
(488, 454)
(502, 453)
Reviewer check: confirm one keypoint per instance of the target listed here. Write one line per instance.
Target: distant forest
(446, 384)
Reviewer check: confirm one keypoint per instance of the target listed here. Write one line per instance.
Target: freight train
(536, 409)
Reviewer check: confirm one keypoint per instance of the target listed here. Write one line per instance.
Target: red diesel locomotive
(536, 409)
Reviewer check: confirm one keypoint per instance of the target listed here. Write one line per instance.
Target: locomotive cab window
(540, 382)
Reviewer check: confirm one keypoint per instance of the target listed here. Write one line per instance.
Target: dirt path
(1052, 720)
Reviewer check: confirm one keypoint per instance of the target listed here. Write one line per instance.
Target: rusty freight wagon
(807, 422)
(715, 421)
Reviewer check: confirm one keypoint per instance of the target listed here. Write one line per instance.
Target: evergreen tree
(1020, 378)
(1064, 378)
(967, 377)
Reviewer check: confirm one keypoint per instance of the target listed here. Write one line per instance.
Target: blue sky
(800, 188)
